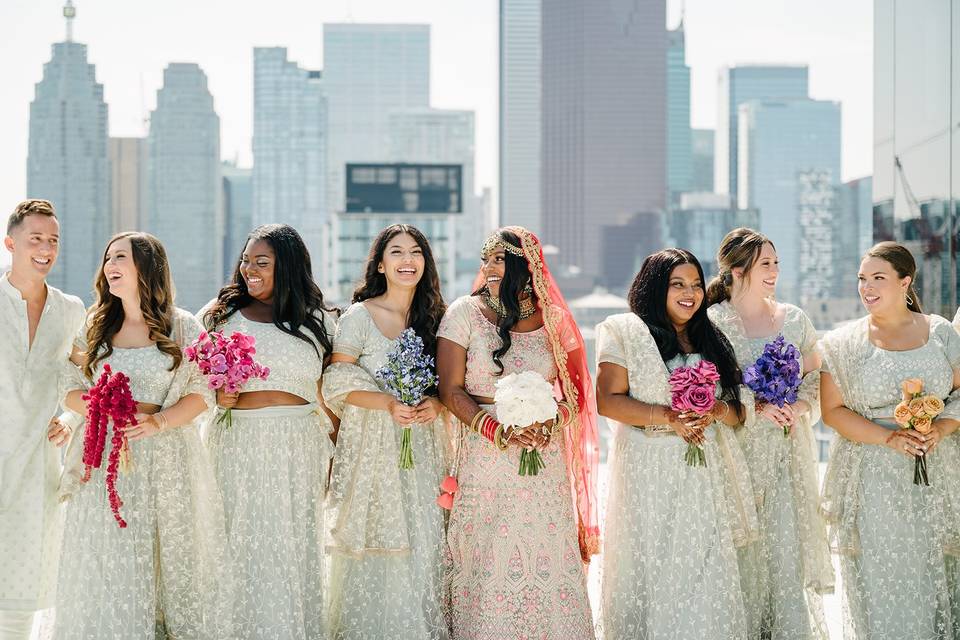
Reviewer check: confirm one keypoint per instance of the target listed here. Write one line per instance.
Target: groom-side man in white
(38, 324)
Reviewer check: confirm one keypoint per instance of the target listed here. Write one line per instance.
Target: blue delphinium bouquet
(775, 376)
(408, 374)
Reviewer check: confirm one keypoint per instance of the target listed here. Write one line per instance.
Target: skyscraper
(67, 161)
(702, 170)
(184, 185)
(604, 123)
(521, 116)
(370, 70)
(289, 147)
(916, 149)
(128, 179)
(737, 85)
(445, 136)
(780, 140)
(679, 142)
(237, 213)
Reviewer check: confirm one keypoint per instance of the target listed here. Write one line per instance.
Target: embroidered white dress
(785, 572)
(30, 517)
(166, 574)
(272, 465)
(670, 559)
(515, 566)
(386, 536)
(899, 543)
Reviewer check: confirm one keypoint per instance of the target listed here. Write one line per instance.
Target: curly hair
(155, 287)
(428, 306)
(297, 299)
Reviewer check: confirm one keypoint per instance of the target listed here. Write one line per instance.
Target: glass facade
(916, 147)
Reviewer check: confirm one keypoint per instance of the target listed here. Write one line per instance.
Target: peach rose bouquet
(917, 411)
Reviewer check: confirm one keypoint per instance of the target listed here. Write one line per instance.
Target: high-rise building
(780, 139)
(701, 221)
(184, 207)
(521, 115)
(370, 70)
(68, 163)
(702, 170)
(852, 233)
(289, 148)
(447, 137)
(816, 198)
(604, 123)
(916, 149)
(679, 142)
(128, 179)
(735, 86)
(237, 213)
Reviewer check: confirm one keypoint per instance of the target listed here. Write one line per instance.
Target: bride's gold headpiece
(497, 241)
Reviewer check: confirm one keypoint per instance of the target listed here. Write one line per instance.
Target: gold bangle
(650, 419)
(160, 420)
(476, 418)
(498, 438)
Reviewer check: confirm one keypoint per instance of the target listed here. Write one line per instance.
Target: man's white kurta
(29, 464)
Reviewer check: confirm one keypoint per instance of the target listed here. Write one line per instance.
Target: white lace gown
(672, 530)
(271, 465)
(785, 572)
(393, 591)
(899, 543)
(165, 575)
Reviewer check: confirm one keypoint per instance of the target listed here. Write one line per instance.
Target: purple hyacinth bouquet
(775, 377)
(408, 374)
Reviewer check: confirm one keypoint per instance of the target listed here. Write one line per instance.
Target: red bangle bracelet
(488, 428)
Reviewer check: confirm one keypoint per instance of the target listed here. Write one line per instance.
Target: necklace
(527, 308)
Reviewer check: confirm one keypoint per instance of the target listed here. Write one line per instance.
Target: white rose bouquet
(524, 399)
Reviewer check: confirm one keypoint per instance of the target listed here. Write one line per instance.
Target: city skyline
(464, 71)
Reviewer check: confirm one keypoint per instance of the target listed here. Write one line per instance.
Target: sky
(131, 41)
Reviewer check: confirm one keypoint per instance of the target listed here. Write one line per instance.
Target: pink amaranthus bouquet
(226, 362)
(109, 400)
(694, 389)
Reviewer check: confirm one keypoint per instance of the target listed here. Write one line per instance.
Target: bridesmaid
(898, 541)
(670, 562)
(785, 572)
(387, 530)
(164, 574)
(517, 544)
(272, 460)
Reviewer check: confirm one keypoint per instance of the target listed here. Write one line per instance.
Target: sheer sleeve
(351, 333)
(947, 336)
(610, 344)
(455, 325)
(196, 383)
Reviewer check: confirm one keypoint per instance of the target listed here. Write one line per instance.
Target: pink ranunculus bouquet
(226, 362)
(694, 389)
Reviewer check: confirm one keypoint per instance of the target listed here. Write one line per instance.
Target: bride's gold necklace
(527, 308)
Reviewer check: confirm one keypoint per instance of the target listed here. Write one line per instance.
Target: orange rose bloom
(932, 406)
(923, 424)
(912, 386)
(902, 414)
(916, 406)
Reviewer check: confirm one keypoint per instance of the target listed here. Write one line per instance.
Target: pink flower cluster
(108, 400)
(226, 362)
(694, 388)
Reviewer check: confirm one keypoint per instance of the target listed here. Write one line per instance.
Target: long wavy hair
(297, 299)
(516, 276)
(903, 264)
(739, 249)
(428, 307)
(155, 287)
(648, 299)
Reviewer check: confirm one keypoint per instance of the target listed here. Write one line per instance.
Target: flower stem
(406, 450)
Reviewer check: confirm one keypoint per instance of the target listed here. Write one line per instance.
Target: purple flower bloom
(409, 372)
(775, 376)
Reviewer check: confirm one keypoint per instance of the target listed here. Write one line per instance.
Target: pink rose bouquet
(694, 390)
(226, 362)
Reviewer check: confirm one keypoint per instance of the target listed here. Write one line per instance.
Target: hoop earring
(909, 300)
